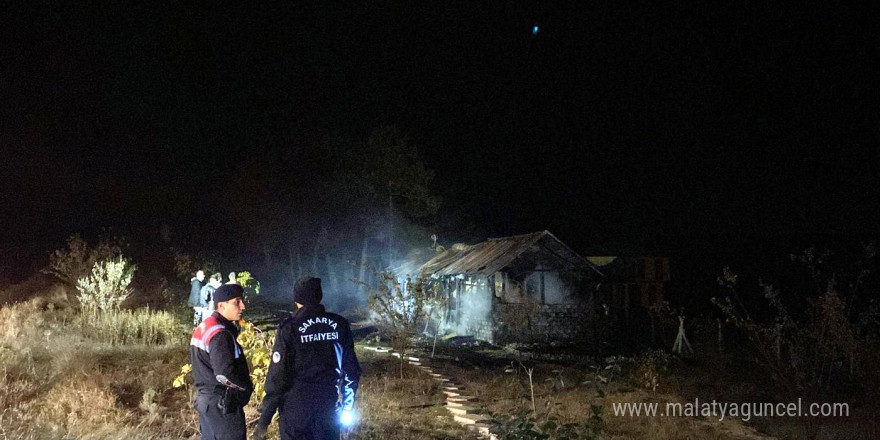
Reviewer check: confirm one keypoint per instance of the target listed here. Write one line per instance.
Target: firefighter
(220, 368)
(314, 372)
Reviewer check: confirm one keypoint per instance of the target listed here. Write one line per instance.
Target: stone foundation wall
(480, 328)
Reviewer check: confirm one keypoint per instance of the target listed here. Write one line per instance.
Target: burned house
(632, 281)
(523, 288)
(633, 295)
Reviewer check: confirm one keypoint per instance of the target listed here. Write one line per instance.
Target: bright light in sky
(535, 30)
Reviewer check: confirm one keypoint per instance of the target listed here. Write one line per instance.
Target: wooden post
(681, 340)
(543, 298)
(778, 342)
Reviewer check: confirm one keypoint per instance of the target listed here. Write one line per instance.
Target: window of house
(471, 285)
(499, 284)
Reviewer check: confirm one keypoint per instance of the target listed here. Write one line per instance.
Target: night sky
(611, 123)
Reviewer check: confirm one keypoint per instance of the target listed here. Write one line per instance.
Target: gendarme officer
(314, 372)
(220, 369)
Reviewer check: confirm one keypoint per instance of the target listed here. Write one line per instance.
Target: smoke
(556, 290)
(334, 207)
(470, 304)
(347, 255)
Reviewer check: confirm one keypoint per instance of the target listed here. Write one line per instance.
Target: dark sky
(613, 121)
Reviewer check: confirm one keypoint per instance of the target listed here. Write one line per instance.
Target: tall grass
(68, 375)
(131, 327)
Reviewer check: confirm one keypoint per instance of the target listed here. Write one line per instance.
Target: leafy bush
(186, 265)
(106, 286)
(257, 346)
(250, 284)
(180, 379)
(75, 262)
(804, 352)
(399, 309)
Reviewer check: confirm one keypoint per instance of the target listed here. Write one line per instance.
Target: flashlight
(347, 418)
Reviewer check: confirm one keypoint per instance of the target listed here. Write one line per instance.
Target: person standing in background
(206, 296)
(195, 291)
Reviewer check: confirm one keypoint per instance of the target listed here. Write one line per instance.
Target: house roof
(495, 254)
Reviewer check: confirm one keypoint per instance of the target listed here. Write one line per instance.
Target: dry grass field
(565, 394)
(66, 375)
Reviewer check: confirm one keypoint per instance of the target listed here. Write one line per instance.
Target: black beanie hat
(228, 291)
(307, 291)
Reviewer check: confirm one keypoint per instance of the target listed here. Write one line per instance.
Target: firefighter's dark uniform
(314, 372)
(214, 351)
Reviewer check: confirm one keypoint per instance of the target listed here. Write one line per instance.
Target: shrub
(250, 285)
(399, 309)
(186, 265)
(106, 286)
(257, 346)
(803, 352)
(75, 262)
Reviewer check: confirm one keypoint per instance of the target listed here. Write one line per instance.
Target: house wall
(556, 290)
(474, 308)
(523, 313)
(542, 323)
(516, 313)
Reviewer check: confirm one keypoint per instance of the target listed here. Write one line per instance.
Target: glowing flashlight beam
(346, 418)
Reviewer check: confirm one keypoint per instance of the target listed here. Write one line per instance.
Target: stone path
(464, 408)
